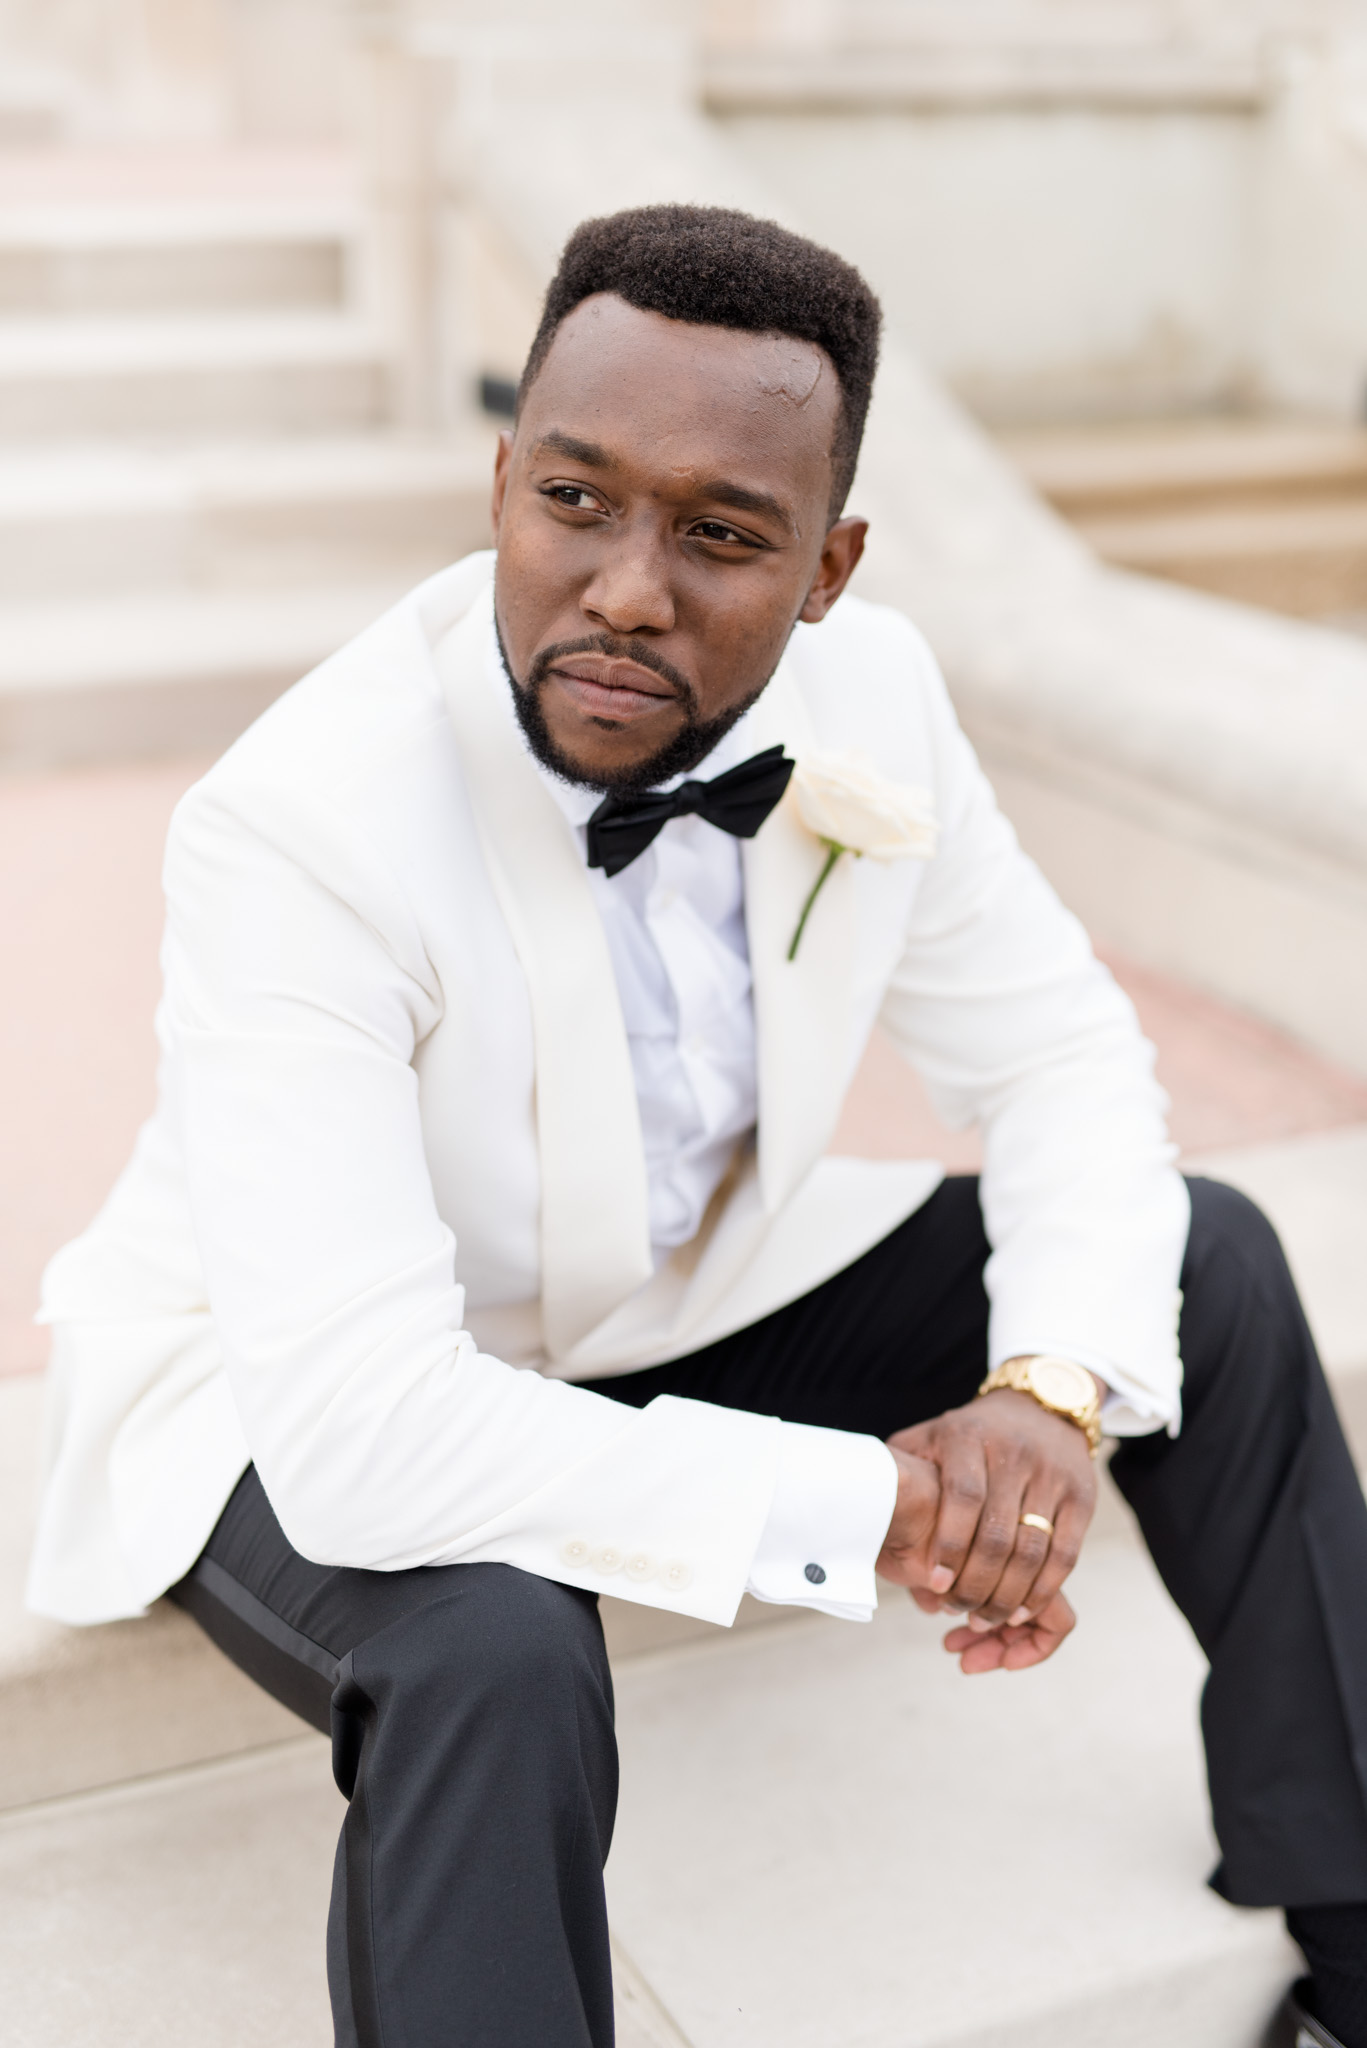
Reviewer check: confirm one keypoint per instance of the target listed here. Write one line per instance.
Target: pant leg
(470, 1709)
(1255, 1518)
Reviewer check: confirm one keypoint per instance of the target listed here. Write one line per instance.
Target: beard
(678, 756)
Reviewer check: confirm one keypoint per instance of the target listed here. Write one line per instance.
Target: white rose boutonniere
(851, 808)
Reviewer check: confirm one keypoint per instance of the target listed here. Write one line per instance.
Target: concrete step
(1179, 464)
(189, 1912)
(164, 672)
(1266, 512)
(219, 376)
(110, 517)
(826, 1834)
(1308, 559)
(148, 258)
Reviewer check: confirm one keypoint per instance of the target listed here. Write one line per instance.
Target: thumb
(918, 1501)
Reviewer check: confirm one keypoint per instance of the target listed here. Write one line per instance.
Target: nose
(629, 591)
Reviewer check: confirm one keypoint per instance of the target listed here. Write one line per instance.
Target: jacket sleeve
(297, 993)
(1000, 1004)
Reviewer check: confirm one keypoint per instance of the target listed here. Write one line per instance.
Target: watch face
(1062, 1384)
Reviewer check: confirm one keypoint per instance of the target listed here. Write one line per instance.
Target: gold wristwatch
(1058, 1384)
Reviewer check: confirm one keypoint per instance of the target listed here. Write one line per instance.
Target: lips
(611, 688)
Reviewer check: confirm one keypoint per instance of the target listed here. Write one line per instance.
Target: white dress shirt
(675, 926)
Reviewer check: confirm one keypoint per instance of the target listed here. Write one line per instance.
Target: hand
(906, 1556)
(1013, 1649)
(1000, 1457)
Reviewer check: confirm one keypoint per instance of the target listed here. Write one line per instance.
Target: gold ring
(1037, 1522)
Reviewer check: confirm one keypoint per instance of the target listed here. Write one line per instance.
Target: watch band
(1015, 1374)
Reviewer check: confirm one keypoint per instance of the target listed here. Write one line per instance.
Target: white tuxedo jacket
(396, 1158)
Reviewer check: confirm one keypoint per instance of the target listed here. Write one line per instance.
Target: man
(482, 1254)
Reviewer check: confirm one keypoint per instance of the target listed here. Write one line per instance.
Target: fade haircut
(717, 268)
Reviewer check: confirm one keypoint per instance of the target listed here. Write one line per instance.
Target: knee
(493, 1631)
(1240, 1306)
(1225, 1217)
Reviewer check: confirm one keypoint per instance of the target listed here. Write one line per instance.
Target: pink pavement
(80, 916)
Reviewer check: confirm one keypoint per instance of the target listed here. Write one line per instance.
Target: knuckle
(966, 1489)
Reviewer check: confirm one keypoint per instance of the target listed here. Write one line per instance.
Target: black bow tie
(738, 802)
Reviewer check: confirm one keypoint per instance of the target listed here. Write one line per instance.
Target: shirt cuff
(833, 1501)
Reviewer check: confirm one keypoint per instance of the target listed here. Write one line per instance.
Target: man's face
(661, 519)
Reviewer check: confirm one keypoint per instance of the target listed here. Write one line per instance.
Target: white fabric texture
(357, 1176)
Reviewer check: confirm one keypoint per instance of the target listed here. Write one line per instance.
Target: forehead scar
(798, 381)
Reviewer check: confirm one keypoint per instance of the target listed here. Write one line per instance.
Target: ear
(840, 553)
(502, 462)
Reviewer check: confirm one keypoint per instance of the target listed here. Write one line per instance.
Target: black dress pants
(470, 1706)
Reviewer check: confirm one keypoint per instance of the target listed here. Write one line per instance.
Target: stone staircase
(1270, 512)
(827, 1835)
(203, 489)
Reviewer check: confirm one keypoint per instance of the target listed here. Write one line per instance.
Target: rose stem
(831, 858)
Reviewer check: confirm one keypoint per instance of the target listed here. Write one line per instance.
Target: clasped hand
(956, 1541)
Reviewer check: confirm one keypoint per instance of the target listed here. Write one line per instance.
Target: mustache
(615, 649)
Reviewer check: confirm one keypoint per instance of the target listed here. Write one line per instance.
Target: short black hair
(718, 268)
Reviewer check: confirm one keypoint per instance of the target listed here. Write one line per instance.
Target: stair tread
(51, 346)
(67, 480)
(1081, 465)
(1276, 528)
(176, 634)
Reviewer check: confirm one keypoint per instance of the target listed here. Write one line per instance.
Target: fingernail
(1019, 1618)
(941, 1579)
(979, 1624)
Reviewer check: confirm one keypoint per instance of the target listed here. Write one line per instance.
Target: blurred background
(268, 269)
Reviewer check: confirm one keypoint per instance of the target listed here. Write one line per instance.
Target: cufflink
(814, 1574)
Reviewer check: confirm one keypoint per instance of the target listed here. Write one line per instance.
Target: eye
(574, 497)
(718, 532)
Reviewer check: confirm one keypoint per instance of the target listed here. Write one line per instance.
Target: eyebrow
(587, 452)
(740, 497)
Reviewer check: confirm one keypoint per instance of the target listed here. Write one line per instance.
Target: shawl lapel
(802, 1006)
(595, 1229)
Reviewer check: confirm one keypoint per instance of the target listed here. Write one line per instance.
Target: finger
(1011, 1599)
(976, 1653)
(963, 1490)
(1012, 1649)
(1039, 1638)
(1071, 1519)
(994, 1538)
